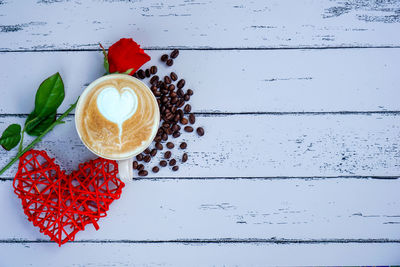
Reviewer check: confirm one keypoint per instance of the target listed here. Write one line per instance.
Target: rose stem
(39, 138)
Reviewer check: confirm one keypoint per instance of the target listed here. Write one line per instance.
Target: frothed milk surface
(117, 117)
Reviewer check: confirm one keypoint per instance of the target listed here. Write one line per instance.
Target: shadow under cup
(89, 116)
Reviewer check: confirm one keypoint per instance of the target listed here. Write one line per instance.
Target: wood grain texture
(231, 81)
(131, 254)
(261, 145)
(290, 210)
(198, 24)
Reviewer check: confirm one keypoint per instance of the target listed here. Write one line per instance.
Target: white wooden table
(300, 100)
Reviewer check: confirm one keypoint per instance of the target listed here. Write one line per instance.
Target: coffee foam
(117, 117)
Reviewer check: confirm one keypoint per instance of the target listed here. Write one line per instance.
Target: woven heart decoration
(62, 205)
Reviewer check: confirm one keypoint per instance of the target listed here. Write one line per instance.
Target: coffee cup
(117, 118)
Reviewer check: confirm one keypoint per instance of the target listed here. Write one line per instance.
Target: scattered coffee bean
(172, 162)
(143, 173)
(170, 145)
(146, 151)
(174, 53)
(140, 74)
(153, 69)
(184, 157)
(163, 163)
(175, 168)
(147, 158)
(164, 57)
(139, 157)
(192, 118)
(140, 167)
(187, 108)
(164, 137)
(181, 83)
(170, 62)
(153, 152)
(200, 131)
(184, 121)
(147, 73)
(167, 80)
(159, 146)
(189, 92)
(188, 129)
(171, 88)
(180, 92)
(135, 75)
(155, 169)
(167, 154)
(154, 79)
(186, 97)
(173, 76)
(176, 134)
(183, 145)
(135, 165)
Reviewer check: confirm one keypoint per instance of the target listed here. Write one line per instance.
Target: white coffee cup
(124, 163)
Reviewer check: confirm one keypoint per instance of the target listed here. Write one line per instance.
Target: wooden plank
(231, 81)
(126, 254)
(260, 145)
(199, 24)
(342, 210)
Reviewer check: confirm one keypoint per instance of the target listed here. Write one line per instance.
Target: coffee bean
(188, 129)
(147, 73)
(157, 139)
(180, 92)
(154, 79)
(180, 111)
(175, 128)
(183, 145)
(147, 158)
(153, 69)
(163, 163)
(153, 152)
(140, 167)
(164, 137)
(184, 121)
(176, 134)
(167, 80)
(135, 165)
(140, 74)
(186, 97)
(164, 57)
(172, 162)
(139, 157)
(174, 53)
(143, 173)
(189, 92)
(167, 154)
(170, 62)
(159, 146)
(187, 108)
(146, 151)
(200, 131)
(134, 75)
(171, 88)
(175, 168)
(155, 169)
(180, 103)
(192, 118)
(184, 157)
(170, 145)
(168, 131)
(173, 76)
(181, 83)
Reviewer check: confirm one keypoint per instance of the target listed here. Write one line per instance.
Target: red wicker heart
(62, 205)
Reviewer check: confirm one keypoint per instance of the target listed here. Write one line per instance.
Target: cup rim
(89, 87)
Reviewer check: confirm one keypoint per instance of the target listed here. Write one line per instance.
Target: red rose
(124, 55)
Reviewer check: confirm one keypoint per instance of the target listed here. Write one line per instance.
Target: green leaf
(128, 71)
(49, 96)
(106, 64)
(11, 137)
(36, 126)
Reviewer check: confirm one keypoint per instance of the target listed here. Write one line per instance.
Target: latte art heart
(117, 107)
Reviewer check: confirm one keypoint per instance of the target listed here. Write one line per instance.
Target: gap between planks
(205, 48)
(217, 241)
